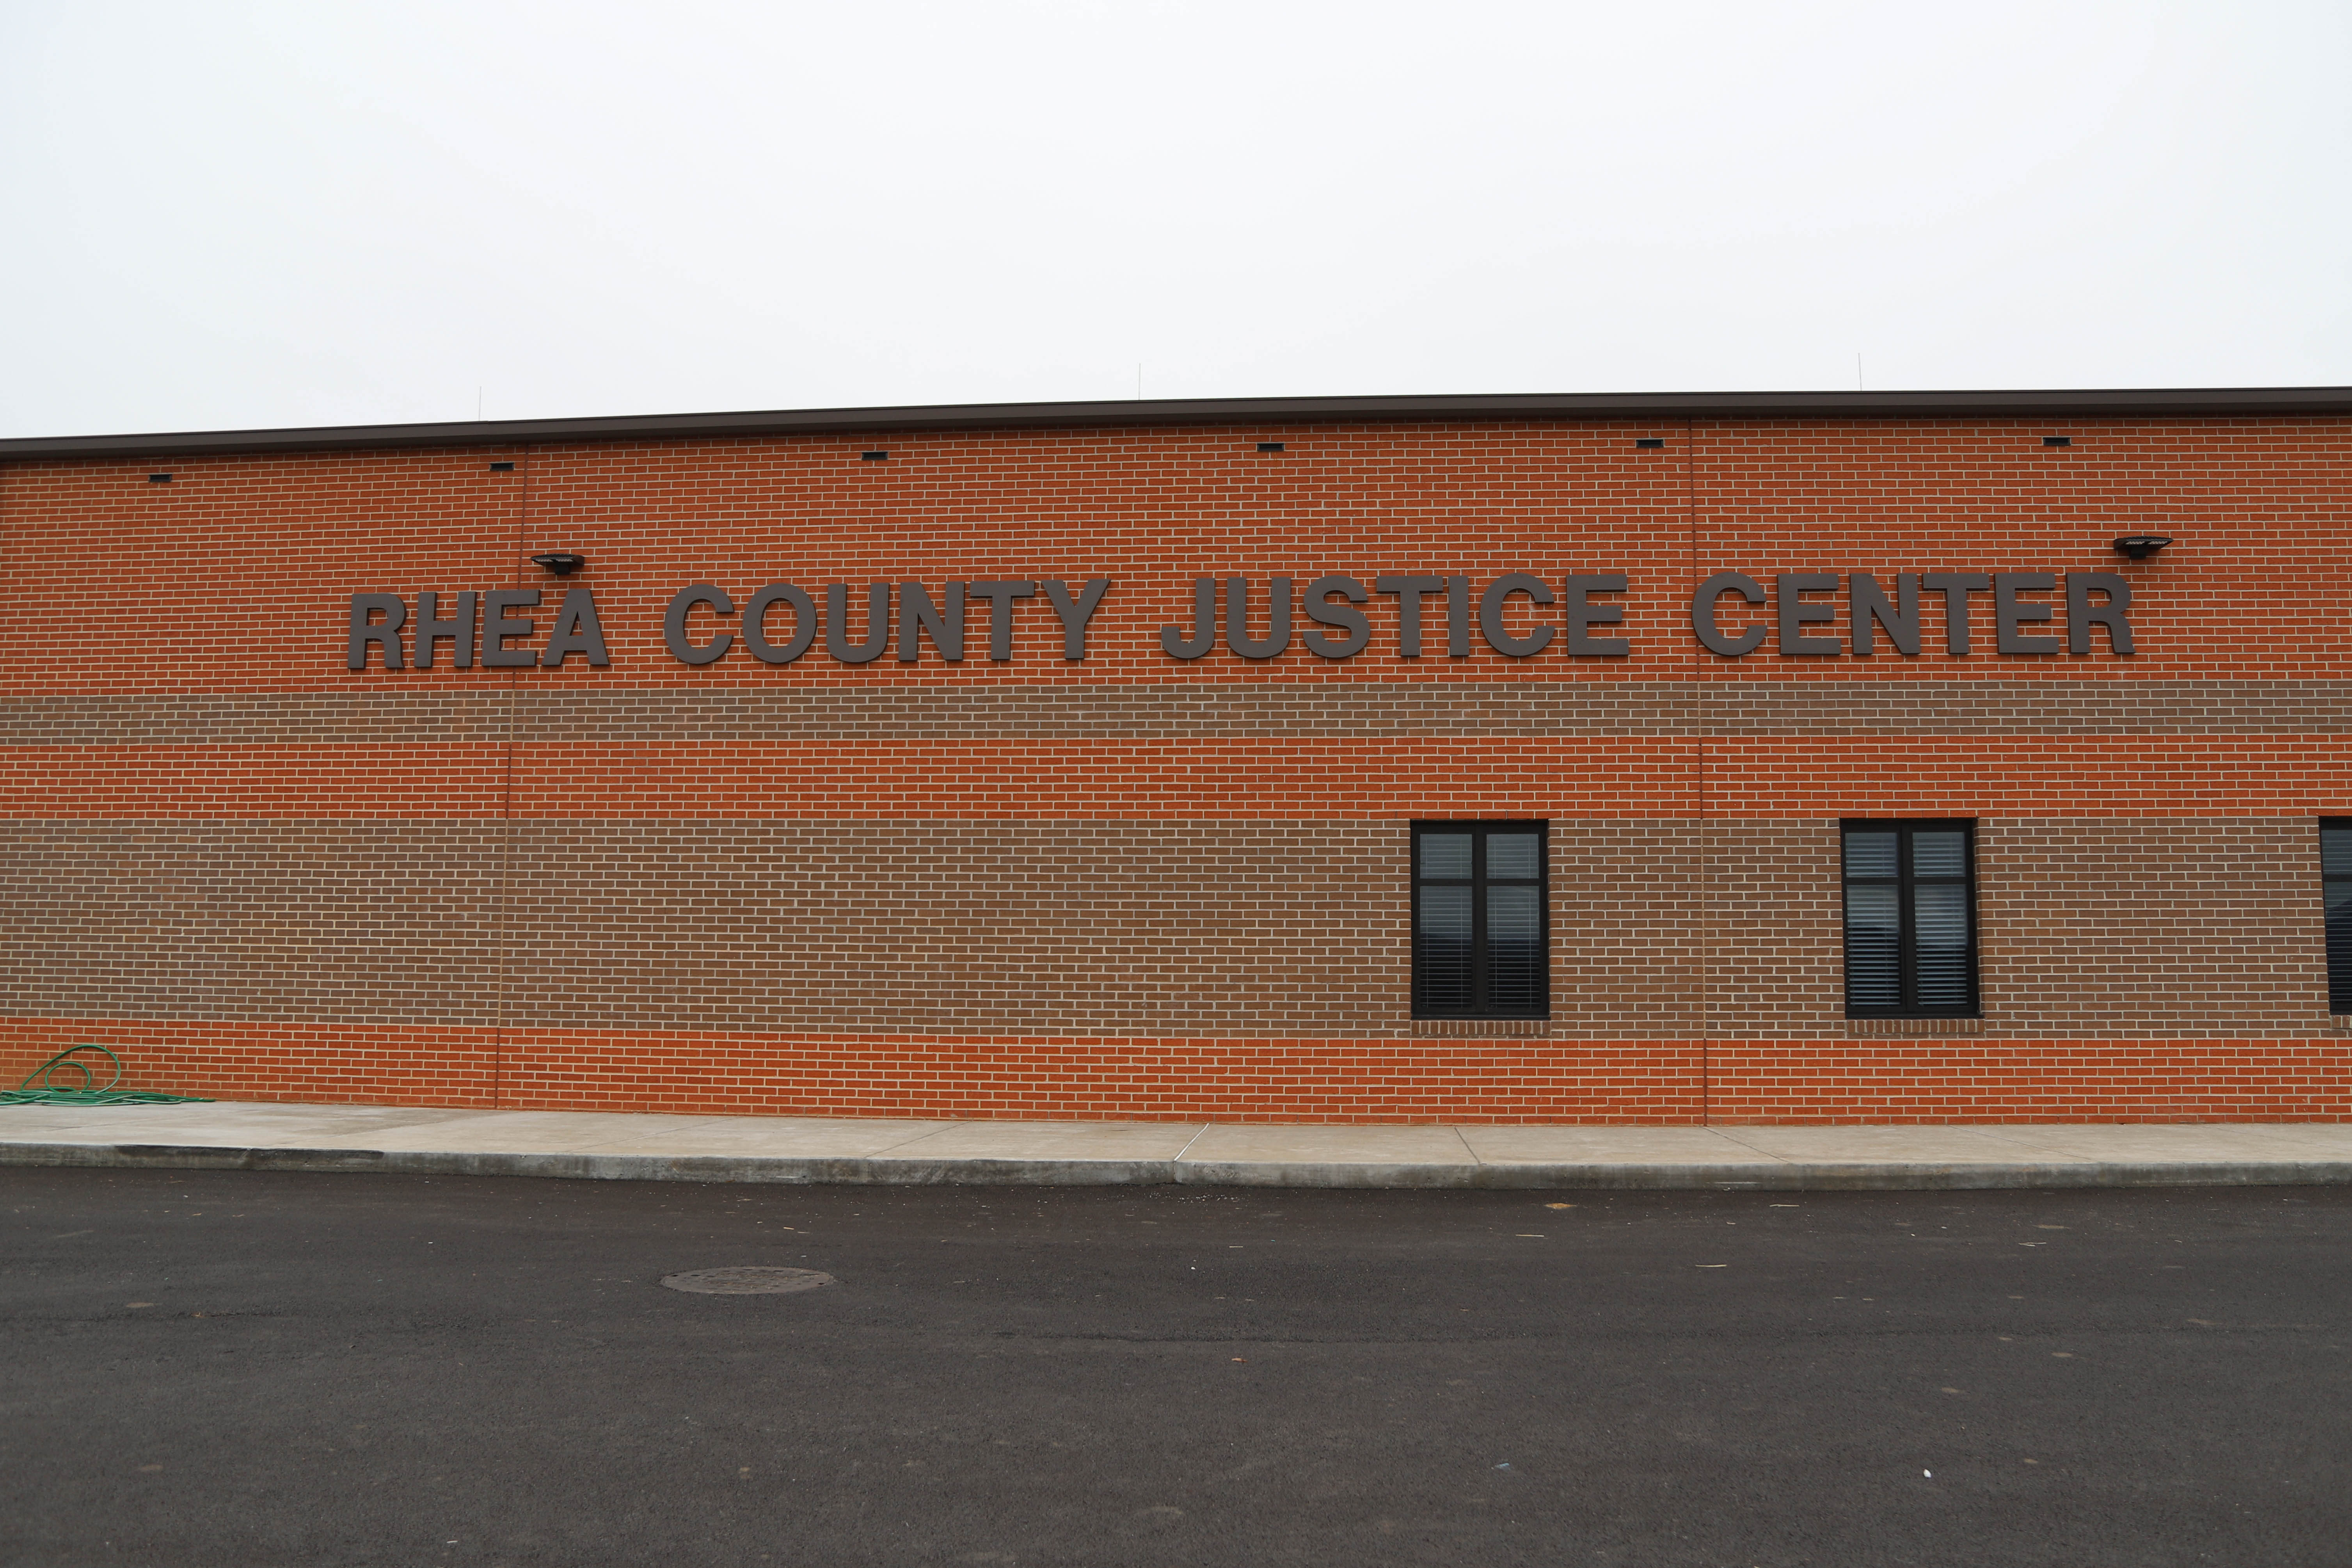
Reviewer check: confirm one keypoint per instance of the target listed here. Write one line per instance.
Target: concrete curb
(883, 1171)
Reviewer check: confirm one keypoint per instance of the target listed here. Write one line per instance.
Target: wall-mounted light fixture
(2140, 546)
(561, 563)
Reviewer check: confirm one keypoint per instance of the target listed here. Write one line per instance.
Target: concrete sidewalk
(228, 1134)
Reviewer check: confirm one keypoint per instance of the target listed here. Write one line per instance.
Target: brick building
(1792, 757)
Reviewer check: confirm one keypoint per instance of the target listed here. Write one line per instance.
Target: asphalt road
(244, 1368)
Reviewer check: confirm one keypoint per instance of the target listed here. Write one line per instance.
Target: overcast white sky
(226, 215)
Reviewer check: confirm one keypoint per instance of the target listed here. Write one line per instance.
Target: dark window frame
(1906, 884)
(1478, 882)
(2337, 946)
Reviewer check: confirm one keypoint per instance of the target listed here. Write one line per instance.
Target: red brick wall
(1142, 888)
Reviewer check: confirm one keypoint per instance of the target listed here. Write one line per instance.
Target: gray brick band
(407, 708)
(1660, 930)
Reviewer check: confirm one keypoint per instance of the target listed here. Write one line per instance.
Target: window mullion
(1478, 987)
(1543, 914)
(1906, 942)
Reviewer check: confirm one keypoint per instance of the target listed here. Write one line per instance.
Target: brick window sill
(1489, 1029)
(1914, 1025)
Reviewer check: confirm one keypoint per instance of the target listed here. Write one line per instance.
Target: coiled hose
(39, 1086)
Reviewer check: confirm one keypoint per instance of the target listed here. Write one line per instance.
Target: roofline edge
(2176, 401)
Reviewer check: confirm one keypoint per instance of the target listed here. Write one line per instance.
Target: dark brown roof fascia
(2183, 403)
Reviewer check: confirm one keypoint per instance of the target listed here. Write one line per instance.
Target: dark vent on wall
(159, 479)
(875, 456)
(2057, 440)
(1269, 446)
(503, 467)
(1650, 443)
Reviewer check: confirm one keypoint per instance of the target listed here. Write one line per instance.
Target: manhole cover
(747, 1281)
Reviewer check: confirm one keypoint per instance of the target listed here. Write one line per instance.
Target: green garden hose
(47, 1093)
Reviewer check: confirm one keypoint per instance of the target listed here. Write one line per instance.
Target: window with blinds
(2335, 880)
(1481, 921)
(1910, 920)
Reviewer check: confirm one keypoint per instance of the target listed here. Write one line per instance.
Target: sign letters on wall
(1732, 614)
